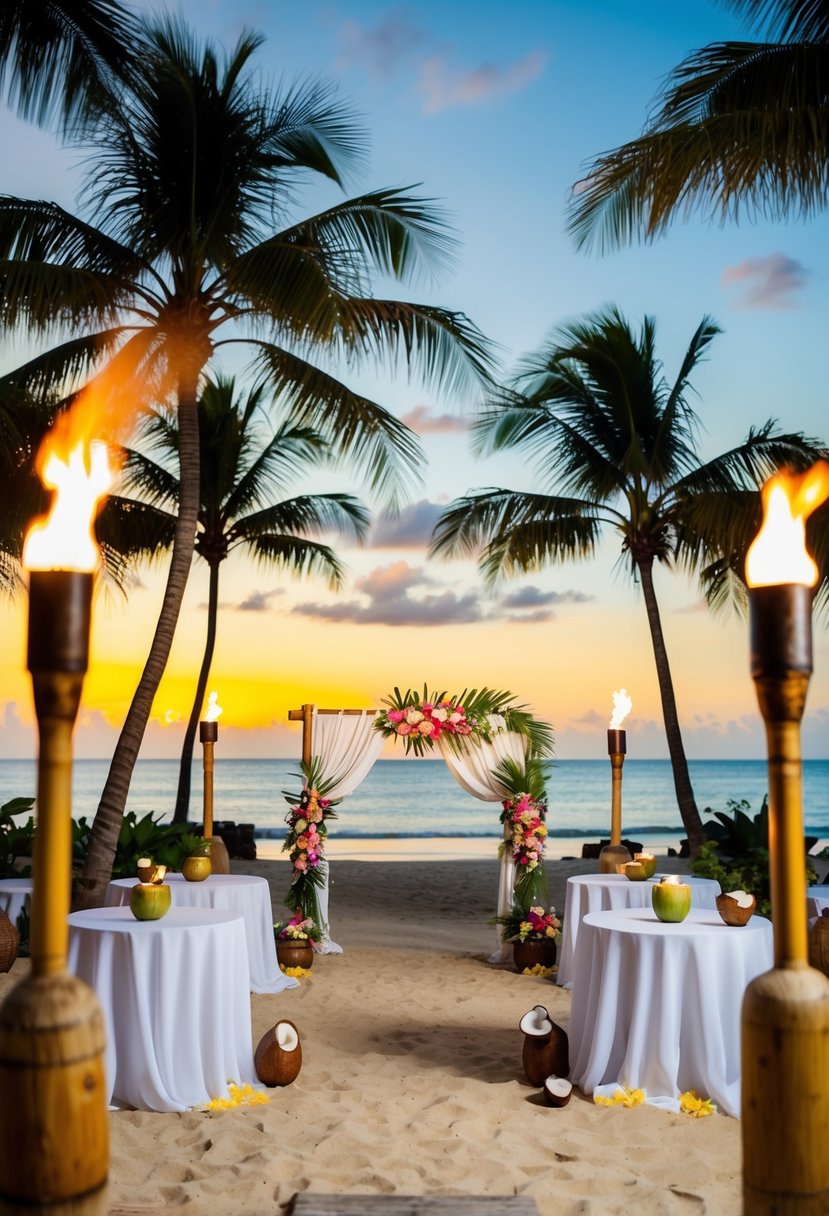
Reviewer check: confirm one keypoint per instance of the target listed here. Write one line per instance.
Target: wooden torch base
(54, 1135)
(785, 1098)
(219, 856)
(612, 856)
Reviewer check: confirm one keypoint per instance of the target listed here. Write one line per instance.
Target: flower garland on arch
(476, 714)
(307, 821)
(525, 836)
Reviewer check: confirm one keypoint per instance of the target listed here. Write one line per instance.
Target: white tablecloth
(657, 1006)
(247, 895)
(612, 892)
(817, 898)
(175, 998)
(15, 895)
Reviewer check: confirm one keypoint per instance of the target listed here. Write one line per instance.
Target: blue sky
(494, 109)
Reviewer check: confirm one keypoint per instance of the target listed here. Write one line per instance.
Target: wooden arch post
(305, 715)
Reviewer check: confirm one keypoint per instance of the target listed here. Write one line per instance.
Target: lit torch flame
(214, 709)
(778, 553)
(64, 538)
(622, 705)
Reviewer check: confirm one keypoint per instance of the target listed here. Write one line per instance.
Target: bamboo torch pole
(54, 1141)
(785, 1016)
(208, 736)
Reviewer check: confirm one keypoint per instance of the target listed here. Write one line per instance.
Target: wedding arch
(492, 746)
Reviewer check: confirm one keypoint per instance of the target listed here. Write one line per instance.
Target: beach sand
(412, 1079)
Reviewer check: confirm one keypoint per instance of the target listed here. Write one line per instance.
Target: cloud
(534, 597)
(767, 282)
(426, 423)
(390, 602)
(400, 594)
(380, 48)
(411, 529)
(442, 88)
(259, 601)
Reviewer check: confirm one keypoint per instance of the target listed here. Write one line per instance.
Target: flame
(214, 709)
(778, 553)
(64, 538)
(622, 705)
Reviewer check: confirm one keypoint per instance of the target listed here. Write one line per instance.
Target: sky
(493, 110)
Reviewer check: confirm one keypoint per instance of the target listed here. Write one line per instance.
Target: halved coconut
(147, 870)
(536, 1022)
(557, 1091)
(546, 1046)
(736, 907)
(278, 1057)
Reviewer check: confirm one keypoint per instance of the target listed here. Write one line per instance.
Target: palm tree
(241, 472)
(191, 172)
(616, 445)
(57, 57)
(740, 128)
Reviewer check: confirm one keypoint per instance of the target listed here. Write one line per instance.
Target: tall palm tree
(740, 128)
(57, 57)
(242, 470)
(615, 445)
(191, 172)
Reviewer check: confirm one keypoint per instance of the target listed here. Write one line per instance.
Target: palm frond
(744, 129)
(308, 514)
(300, 557)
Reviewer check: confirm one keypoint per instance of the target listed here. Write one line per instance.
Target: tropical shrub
(15, 839)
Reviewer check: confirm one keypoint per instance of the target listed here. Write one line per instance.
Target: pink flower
(463, 728)
(427, 728)
(427, 708)
(300, 864)
(395, 715)
(404, 729)
(522, 860)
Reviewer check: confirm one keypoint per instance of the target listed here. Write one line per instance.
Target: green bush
(15, 840)
(167, 844)
(736, 852)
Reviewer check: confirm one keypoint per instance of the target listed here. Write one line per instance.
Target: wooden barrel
(54, 1136)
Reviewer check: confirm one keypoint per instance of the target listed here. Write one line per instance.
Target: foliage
(195, 846)
(16, 840)
(616, 448)
(299, 928)
(523, 923)
(740, 128)
(305, 838)
(165, 843)
(475, 714)
(747, 873)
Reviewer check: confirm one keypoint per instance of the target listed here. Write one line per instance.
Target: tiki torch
(785, 1016)
(208, 735)
(54, 1144)
(615, 854)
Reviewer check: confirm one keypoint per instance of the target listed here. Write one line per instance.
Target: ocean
(420, 799)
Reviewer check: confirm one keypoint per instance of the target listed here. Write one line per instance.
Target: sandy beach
(412, 1079)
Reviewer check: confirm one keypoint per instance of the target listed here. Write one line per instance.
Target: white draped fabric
(347, 745)
(474, 770)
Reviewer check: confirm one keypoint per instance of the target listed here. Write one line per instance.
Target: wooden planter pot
(293, 952)
(530, 953)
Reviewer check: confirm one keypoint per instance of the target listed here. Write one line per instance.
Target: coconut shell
(551, 1097)
(546, 1055)
(273, 1063)
(819, 943)
(731, 912)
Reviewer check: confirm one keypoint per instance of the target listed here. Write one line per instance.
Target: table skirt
(657, 1007)
(176, 1003)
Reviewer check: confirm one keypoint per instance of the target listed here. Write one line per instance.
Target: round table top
(700, 922)
(15, 884)
(121, 920)
(604, 880)
(213, 880)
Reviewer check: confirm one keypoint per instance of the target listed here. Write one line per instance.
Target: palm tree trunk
(109, 815)
(682, 780)
(185, 771)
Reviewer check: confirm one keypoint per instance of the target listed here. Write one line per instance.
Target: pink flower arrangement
(423, 722)
(538, 924)
(528, 831)
(305, 841)
(299, 928)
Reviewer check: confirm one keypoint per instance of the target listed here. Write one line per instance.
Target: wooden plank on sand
(411, 1205)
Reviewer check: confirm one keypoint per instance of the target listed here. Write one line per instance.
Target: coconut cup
(636, 871)
(278, 1057)
(736, 911)
(150, 900)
